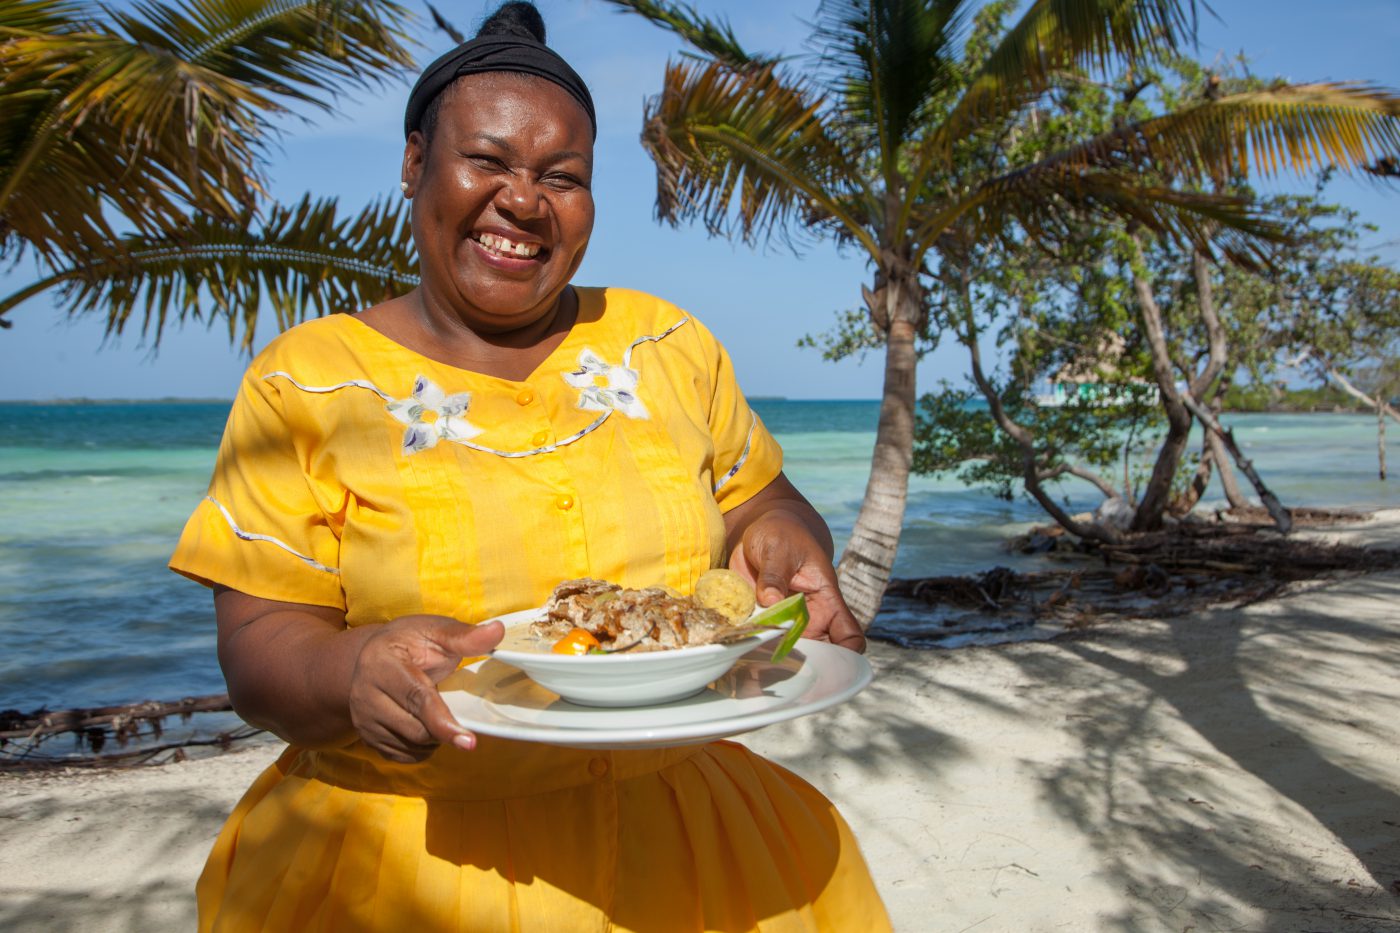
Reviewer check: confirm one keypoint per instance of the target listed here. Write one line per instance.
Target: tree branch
(1022, 435)
(1377, 404)
(1280, 515)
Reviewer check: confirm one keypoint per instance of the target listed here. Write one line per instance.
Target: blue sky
(759, 301)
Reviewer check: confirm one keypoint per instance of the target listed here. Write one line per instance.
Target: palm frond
(1055, 35)
(442, 23)
(67, 165)
(1301, 127)
(152, 112)
(712, 37)
(745, 152)
(305, 50)
(304, 261)
(1047, 204)
(19, 17)
(885, 61)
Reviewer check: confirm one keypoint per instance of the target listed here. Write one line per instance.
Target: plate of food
(493, 698)
(602, 666)
(600, 644)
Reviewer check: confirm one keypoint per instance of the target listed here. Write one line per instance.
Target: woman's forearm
(289, 668)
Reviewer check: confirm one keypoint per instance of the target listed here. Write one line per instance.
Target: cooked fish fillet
(650, 619)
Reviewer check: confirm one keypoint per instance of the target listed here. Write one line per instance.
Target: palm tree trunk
(868, 558)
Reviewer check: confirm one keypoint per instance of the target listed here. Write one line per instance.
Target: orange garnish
(578, 641)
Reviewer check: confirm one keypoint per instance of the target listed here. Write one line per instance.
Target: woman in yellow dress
(449, 456)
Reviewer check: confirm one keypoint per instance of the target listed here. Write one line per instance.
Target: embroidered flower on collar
(432, 415)
(605, 387)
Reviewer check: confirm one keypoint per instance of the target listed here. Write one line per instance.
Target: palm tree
(133, 145)
(878, 145)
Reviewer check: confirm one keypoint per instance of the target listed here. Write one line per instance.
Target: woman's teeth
(499, 244)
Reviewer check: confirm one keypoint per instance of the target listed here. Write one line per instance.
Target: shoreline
(1029, 605)
(1234, 769)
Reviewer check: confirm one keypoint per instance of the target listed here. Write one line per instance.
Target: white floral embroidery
(606, 387)
(432, 415)
(603, 387)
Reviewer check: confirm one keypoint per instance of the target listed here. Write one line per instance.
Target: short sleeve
(261, 529)
(747, 458)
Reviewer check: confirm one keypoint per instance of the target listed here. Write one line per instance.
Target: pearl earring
(403, 186)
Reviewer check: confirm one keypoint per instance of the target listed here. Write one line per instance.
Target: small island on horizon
(84, 400)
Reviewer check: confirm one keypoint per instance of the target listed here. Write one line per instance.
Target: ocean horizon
(93, 496)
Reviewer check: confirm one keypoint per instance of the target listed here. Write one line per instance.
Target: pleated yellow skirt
(532, 838)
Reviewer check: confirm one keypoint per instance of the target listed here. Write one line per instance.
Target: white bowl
(642, 679)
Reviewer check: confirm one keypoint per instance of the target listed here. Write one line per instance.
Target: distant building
(1060, 392)
(1094, 380)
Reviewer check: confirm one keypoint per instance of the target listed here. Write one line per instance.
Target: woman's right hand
(298, 671)
(395, 705)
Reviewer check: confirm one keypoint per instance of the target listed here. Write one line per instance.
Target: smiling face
(502, 206)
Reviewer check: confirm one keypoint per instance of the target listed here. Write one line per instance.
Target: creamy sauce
(518, 638)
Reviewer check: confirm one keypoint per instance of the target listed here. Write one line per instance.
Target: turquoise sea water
(92, 498)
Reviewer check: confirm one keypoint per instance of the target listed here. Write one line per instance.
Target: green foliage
(873, 138)
(1257, 396)
(1333, 310)
(852, 335)
(1058, 305)
(956, 437)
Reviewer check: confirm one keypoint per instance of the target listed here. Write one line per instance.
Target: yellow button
(598, 767)
(540, 439)
(564, 503)
(524, 397)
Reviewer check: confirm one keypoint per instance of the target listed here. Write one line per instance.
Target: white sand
(1235, 770)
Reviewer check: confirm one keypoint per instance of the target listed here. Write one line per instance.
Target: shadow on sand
(1271, 696)
(1227, 770)
(114, 881)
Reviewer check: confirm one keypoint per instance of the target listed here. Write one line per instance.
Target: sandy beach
(1237, 769)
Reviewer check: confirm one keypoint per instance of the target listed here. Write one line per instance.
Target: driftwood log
(137, 729)
(120, 720)
(1148, 575)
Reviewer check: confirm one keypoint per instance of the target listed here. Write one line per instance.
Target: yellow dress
(358, 474)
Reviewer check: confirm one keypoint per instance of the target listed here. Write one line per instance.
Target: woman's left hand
(781, 556)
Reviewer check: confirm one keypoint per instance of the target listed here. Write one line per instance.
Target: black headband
(495, 53)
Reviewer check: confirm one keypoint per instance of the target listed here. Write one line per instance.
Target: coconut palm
(131, 137)
(880, 141)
